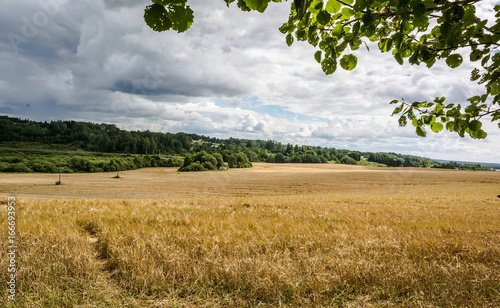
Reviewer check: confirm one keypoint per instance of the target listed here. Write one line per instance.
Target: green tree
(417, 31)
(202, 161)
(347, 160)
(279, 158)
(355, 155)
(220, 161)
(239, 160)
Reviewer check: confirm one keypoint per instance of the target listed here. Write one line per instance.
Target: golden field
(271, 236)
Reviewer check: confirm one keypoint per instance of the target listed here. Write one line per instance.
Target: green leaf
(454, 60)
(329, 65)
(385, 45)
(485, 60)
(445, 29)
(421, 21)
(454, 14)
(429, 120)
(475, 125)
(359, 5)
(333, 6)
(243, 6)
(355, 29)
(289, 39)
(475, 75)
(284, 28)
(317, 56)
(181, 17)
(348, 62)
(402, 121)
(156, 17)
(476, 55)
(338, 30)
(300, 7)
(481, 134)
(171, 2)
(437, 127)
(419, 10)
(399, 58)
(398, 109)
(495, 87)
(259, 5)
(421, 131)
(348, 12)
(368, 19)
(323, 17)
(301, 34)
(440, 100)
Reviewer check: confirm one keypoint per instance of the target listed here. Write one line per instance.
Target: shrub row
(202, 161)
(67, 163)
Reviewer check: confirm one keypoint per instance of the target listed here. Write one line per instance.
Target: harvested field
(271, 236)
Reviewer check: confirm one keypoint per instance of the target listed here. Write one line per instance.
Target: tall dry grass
(413, 245)
(288, 250)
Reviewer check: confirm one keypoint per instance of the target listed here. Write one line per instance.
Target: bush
(18, 167)
(355, 155)
(239, 160)
(43, 166)
(311, 159)
(209, 166)
(4, 166)
(76, 163)
(192, 167)
(187, 161)
(202, 161)
(296, 159)
(347, 160)
(219, 158)
(279, 158)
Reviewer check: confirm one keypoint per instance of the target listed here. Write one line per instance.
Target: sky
(230, 75)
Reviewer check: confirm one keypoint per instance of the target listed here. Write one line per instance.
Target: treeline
(93, 137)
(203, 161)
(53, 162)
(107, 138)
(110, 139)
(459, 166)
(398, 160)
(271, 151)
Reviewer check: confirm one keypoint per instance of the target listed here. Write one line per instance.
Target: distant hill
(486, 165)
(107, 138)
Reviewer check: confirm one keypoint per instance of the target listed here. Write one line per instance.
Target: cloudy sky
(230, 75)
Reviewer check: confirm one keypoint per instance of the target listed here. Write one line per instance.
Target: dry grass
(272, 236)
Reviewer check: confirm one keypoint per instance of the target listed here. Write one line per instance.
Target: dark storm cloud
(62, 53)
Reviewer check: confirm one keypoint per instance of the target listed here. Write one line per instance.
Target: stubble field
(275, 235)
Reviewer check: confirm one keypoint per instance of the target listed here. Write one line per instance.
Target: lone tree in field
(417, 31)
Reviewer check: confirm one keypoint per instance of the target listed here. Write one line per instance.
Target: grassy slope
(274, 235)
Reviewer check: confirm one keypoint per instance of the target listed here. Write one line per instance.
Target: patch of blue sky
(253, 103)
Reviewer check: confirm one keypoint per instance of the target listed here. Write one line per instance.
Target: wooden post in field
(59, 182)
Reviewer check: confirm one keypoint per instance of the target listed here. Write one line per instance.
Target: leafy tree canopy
(416, 31)
(202, 161)
(239, 160)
